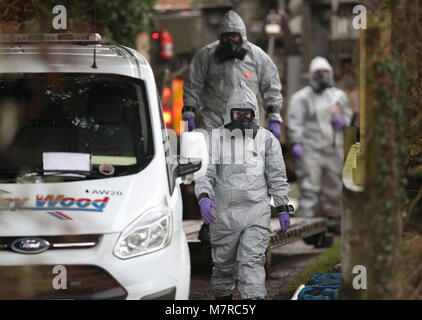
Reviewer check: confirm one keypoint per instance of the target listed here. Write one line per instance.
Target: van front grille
(58, 242)
(39, 282)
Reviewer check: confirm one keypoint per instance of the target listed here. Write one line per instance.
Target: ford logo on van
(30, 245)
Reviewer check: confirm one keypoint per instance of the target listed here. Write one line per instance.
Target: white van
(90, 204)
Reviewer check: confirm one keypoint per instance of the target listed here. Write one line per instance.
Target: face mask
(229, 50)
(243, 122)
(319, 84)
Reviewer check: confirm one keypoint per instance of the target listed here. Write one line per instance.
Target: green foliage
(323, 264)
(394, 148)
(125, 19)
(119, 20)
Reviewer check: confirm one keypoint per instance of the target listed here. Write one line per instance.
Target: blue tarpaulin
(322, 286)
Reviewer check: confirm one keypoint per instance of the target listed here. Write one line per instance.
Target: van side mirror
(192, 166)
(193, 161)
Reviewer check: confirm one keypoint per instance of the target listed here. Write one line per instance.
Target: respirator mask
(243, 122)
(320, 82)
(230, 49)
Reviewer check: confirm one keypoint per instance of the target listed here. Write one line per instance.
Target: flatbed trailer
(312, 230)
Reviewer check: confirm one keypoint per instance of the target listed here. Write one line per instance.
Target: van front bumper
(95, 273)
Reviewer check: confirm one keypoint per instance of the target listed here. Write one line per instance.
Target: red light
(166, 92)
(155, 35)
(167, 117)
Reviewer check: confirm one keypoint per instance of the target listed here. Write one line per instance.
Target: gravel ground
(287, 261)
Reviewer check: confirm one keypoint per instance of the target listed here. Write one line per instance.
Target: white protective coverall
(244, 172)
(309, 122)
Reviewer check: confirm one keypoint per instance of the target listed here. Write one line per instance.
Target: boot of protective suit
(229, 297)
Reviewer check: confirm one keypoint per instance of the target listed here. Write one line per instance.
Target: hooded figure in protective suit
(219, 67)
(246, 168)
(316, 117)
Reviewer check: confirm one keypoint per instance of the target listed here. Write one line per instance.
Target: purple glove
(274, 127)
(284, 220)
(339, 124)
(297, 151)
(191, 123)
(206, 211)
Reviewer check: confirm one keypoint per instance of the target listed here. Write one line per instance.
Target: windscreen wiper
(64, 172)
(57, 173)
(37, 175)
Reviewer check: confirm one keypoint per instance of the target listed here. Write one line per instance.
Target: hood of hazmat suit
(232, 23)
(320, 84)
(243, 173)
(210, 81)
(242, 98)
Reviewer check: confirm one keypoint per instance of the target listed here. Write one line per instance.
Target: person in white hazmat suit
(316, 117)
(246, 168)
(219, 67)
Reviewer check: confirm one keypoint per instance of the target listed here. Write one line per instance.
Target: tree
(379, 234)
(119, 21)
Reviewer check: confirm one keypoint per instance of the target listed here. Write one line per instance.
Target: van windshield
(105, 116)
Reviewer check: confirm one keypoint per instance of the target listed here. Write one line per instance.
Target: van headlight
(150, 232)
